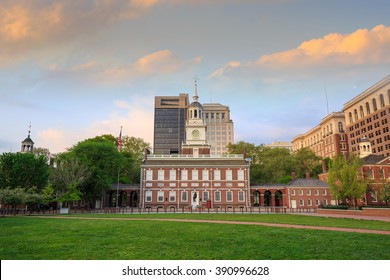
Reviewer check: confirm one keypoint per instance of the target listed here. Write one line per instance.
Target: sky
(78, 69)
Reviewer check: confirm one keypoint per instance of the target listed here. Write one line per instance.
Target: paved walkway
(230, 223)
(357, 217)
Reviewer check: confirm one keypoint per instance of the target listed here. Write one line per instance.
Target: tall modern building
(368, 117)
(220, 129)
(169, 123)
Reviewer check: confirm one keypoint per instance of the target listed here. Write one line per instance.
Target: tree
(102, 160)
(276, 165)
(385, 193)
(24, 170)
(344, 179)
(307, 161)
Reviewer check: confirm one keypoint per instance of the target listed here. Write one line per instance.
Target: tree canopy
(344, 179)
(275, 165)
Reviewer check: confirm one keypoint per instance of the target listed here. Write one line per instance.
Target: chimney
(324, 166)
(293, 177)
(307, 175)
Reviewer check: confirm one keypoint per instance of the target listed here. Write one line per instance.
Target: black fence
(162, 210)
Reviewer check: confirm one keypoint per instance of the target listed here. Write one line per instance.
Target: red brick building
(301, 193)
(194, 178)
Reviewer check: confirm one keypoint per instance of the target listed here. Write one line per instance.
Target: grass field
(34, 238)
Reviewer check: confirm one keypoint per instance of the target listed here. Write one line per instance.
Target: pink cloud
(361, 46)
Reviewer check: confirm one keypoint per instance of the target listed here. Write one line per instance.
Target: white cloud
(220, 72)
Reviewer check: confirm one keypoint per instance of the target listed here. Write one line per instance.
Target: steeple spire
(195, 97)
(29, 130)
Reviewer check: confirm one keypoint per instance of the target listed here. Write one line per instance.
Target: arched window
(382, 100)
(331, 128)
(361, 111)
(350, 117)
(195, 114)
(374, 107)
(355, 114)
(341, 129)
(368, 108)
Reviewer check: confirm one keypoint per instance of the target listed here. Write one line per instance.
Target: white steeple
(195, 97)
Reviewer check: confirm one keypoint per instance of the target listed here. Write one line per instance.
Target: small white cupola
(364, 147)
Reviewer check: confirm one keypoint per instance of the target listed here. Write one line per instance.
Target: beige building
(368, 116)
(220, 129)
(326, 139)
(278, 144)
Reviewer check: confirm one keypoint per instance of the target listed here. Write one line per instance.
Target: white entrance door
(293, 203)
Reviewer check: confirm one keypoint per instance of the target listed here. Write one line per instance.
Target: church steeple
(27, 144)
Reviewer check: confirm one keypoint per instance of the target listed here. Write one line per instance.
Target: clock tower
(195, 139)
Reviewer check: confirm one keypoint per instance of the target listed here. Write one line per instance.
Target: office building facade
(169, 123)
(368, 116)
(327, 139)
(220, 127)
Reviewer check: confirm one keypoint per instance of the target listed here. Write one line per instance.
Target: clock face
(195, 133)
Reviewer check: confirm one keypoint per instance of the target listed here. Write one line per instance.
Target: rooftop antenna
(326, 95)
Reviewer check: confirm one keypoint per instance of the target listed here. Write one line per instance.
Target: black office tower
(169, 123)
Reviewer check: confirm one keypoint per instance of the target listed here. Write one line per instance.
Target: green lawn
(34, 238)
(295, 219)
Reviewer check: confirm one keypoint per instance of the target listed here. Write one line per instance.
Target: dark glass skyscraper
(169, 123)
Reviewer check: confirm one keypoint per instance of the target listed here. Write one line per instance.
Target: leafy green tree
(102, 160)
(13, 197)
(24, 170)
(344, 179)
(385, 193)
(250, 150)
(277, 164)
(72, 193)
(307, 161)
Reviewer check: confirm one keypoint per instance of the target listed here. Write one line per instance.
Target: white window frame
(172, 174)
(148, 196)
(241, 196)
(323, 191)
(205, 195)
(229, 175)
(240, 175)
(317, 202)
(205, 175)
(308, 192)
(160, 194)
(309, 202)
(316, 192)
(292, 192)
(160, 174)
(217, 175)
(184, 175)
(229, 193)
(300, 192)
(172, 196)
(149, 175)
(217, 196)
(301, 202)
(195, 175)
(184, 196)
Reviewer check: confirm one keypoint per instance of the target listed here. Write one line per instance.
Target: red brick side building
(300, 193)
